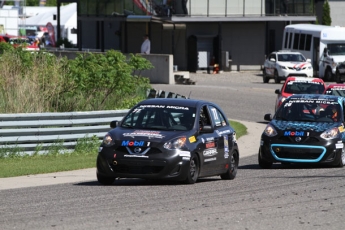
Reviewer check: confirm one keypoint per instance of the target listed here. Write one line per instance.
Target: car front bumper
(284, 73)
(328, 152)
(172, 164)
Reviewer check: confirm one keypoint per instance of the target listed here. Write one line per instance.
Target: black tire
(276, 77)
(342, 158)
(233, 166)
(193, 169)
(105, 180)
(265, 79)
(337, 77)
(328, 75)
(263, 163)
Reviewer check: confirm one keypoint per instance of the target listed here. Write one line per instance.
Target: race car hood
(297, 65)
(120, 134)
(304, 126)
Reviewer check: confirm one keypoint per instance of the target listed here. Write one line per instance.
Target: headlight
(282, 67)
(330, 133)
(234, 137)
(334, 64)
(270, 131)
(176, 143)
(108, 140)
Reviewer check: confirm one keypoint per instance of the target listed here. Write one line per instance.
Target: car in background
(335, 89)
(281, 64)
(299, 134)
(299, 85)
(170, 139)
(340, 72)
(24, 43)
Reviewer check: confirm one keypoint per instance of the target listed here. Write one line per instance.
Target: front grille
(131, 169)
(124, 150)
(297, 153)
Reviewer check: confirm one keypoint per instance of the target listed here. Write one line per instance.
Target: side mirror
(268, 117)
(277, 91)
(114, 124)
(206, 129)
(325, 52)
(309, 60)
(272, 59)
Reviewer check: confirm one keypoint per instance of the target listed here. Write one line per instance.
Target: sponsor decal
(294, 133)
(144, 133)
(139, 156)
(210, 145)
(164, 106)
(184, 154)
(210, 159)
(339, 145)
(114, 155)
(202, 140)
(210, 152)
(220, 133)
(192, 139)
(341, 129)
(210, 139)
(186, 158)
(134, 143)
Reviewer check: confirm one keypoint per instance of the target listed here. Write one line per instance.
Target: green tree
(326, 14)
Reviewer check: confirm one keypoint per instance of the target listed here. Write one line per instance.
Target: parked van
(324, 45)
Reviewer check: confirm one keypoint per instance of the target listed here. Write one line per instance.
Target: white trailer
(324, 45)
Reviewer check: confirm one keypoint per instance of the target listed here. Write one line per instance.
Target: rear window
(304, 87)
(337, 91)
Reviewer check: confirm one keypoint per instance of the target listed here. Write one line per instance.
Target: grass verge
(84, 157)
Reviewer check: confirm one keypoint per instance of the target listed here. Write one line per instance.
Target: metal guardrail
(29, 133)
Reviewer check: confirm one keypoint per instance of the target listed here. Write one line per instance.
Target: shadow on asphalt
(142, 182)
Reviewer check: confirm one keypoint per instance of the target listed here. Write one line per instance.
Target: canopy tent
(68, 21)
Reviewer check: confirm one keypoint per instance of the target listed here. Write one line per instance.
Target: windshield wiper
(127, 126)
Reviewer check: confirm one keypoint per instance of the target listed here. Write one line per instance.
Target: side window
(296, 42)
(286, 40)
(302, 42)
(308, 42)
(204, 117)
(290, 40)
(217, 117)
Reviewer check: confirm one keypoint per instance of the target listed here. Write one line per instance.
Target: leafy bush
(42, 82)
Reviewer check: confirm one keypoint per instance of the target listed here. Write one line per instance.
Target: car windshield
(309, 110)
(336, 49)
(160, 117)
(337, 91)
(304, 87)
(291, 58)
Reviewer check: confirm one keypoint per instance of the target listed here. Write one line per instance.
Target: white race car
(281, 64)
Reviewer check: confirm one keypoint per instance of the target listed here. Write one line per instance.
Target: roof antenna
(189, 94)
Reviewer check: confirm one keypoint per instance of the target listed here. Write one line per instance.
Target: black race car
(307, 128)
(169, 138)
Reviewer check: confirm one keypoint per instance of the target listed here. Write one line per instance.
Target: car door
(222, 132)
(272, 59)
(208, 147)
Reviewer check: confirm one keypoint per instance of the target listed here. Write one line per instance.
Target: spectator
(146, 46)
(184, 7)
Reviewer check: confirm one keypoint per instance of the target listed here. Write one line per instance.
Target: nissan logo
(137, 150)
(298, 139)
